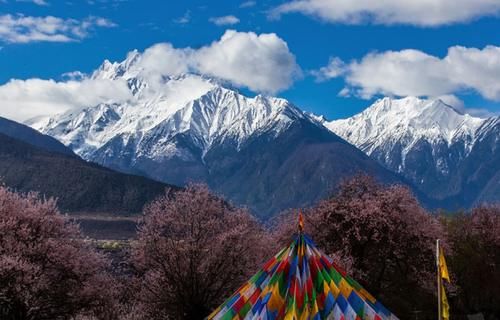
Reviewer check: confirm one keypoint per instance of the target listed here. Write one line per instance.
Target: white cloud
(184, 19)
(479, 112)
(452, 100)
(37, 2)
(415, 73)
(24, 29)
(225, 20)
(24, 99)
(74, 75)
(388, 12)
(163, 59)
(459, 105)
(334, 69)
(260, 62)
(345, 93)
(248, 4)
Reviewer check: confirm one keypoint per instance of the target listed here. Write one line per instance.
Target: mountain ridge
(429, 142)
(31, 136)
(186, 128)
(77, 185)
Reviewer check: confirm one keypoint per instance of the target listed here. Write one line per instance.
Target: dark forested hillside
(78, 185)
(31, 136)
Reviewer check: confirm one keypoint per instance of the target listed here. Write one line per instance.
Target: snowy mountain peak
(163, 110)
(406, 120)
(425, 140)
(441, 150)
(128, 68)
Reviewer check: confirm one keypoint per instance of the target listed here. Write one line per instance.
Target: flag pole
(438, 280)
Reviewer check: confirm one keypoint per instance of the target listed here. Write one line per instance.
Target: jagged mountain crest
(261, 151)
(217, 114)
(406, 120)
(393, 130)
(139, 77)
(441, 150)
(189, 127)
(188, 104)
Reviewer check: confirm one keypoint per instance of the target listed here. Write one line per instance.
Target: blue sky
(312, 38)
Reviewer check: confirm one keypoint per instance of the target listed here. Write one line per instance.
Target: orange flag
(301, 221)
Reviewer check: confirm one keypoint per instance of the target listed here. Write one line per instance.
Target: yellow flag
(445, 307)
(443, 269)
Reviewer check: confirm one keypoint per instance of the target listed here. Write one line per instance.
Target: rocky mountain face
(262, 152)
(449, 156)
(480, 172)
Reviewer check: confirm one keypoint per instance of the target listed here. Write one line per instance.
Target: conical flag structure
(300, 282)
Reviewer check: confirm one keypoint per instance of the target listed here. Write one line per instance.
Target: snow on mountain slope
(170, 106)
(406, 123)
(261, 152)
(449, 156)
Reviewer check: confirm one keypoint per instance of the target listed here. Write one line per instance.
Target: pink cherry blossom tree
(47, 271)
(193, 251)
(475, 260)
(382, 237)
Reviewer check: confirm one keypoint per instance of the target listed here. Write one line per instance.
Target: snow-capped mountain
(427, 141)
(186, 103)
(406, 120)
(258, 151)
(209, 113)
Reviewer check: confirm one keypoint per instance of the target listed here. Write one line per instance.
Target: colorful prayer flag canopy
(301, 282)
